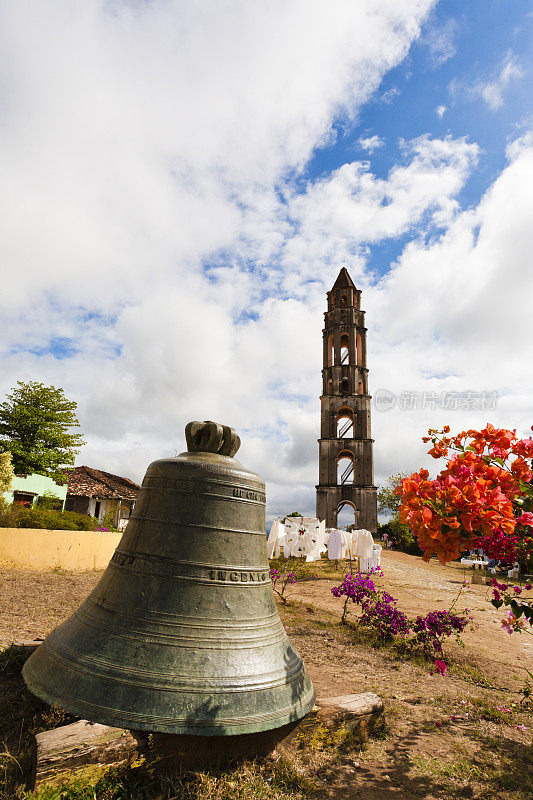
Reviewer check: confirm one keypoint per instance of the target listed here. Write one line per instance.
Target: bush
(381, 615)
(44, 519)
(5, 514)
(107, 523)
(401, 537)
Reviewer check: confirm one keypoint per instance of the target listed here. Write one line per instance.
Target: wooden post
(61, 751)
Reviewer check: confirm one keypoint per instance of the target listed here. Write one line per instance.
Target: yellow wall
(29, 548)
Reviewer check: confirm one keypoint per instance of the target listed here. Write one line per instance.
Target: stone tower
(346, 472)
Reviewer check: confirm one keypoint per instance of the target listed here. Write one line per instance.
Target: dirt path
(421, 587)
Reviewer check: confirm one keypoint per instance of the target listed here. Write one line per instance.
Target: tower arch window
(346, 515)
(345, 386)
(343, 301)
(345, 468)
(345, 423)
(345, 351)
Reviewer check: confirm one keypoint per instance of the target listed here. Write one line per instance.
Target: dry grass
(445, 737)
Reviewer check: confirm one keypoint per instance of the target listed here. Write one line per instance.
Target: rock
(362, 711)
(354, 704)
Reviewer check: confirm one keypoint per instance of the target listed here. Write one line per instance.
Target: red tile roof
(90, 482)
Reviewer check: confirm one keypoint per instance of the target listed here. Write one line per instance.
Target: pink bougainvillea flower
(440, 666)
(507, 624)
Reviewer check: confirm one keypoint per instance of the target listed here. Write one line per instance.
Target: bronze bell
(181, 635)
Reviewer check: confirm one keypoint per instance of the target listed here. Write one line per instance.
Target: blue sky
(182, 182)
(462, 46)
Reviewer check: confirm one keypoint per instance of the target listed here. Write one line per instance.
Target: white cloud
(351, 207)
(370, 143)
(138, 136)
(493, 89)
(153, 223)
(144, 149)
(387, 97)
(517, 146)
(439, 39)
(440, 111)
(458, 309)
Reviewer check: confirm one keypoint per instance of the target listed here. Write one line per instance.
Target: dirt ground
(420, 587)
(461, 735)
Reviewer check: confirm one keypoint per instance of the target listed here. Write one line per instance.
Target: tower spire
(343, 280)
(346, 473)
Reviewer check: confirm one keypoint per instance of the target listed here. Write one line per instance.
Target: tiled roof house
(98, 493)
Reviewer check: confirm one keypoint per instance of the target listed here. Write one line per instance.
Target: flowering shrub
(431, 630)
(519, 606)
(280, 581)
(481, 498)
(357, 588)
(291, 571)
(379, 608)
(380, 614)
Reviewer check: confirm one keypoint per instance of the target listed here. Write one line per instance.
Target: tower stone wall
(345, 411)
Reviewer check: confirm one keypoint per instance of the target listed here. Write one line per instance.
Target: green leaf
(37, 426)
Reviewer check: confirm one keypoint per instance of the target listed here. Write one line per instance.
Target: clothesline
(304, 537)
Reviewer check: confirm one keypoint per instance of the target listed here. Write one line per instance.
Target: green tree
(37, 425)
(400, 536)
(388, 502)
(6, 472)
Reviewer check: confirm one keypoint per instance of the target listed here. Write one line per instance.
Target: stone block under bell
(181, 635)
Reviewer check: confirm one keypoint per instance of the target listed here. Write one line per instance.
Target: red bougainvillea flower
(476, 500)
(524, 447)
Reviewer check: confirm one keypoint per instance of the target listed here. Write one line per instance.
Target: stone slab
(363, 712)
(356, 705)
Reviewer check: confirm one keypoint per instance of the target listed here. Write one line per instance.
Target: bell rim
(84, 709)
